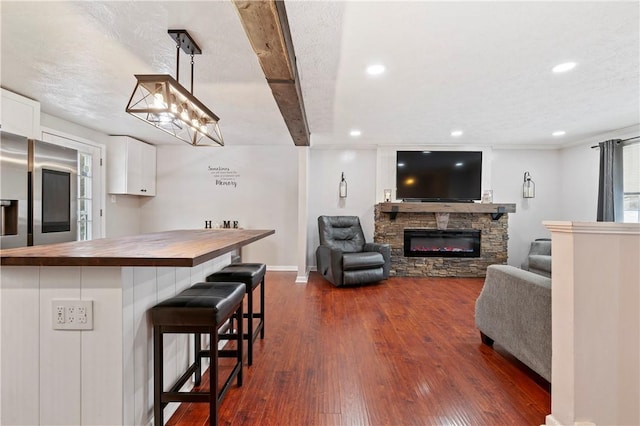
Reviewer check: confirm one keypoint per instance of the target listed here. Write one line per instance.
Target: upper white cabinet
(20, 115)
(131, 166)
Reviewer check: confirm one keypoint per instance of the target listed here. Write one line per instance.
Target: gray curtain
(610, 190)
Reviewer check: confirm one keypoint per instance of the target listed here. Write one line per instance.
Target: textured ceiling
(483, 67)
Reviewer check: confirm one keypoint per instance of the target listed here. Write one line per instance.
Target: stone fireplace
(475, 237)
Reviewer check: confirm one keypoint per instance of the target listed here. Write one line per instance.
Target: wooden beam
(267, 27)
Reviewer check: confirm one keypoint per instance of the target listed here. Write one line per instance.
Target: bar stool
(197, 311)
(252, 275)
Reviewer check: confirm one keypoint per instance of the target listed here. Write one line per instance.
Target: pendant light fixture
(163, 102)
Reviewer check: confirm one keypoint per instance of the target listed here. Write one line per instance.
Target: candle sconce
(528, 187)
(343, 187)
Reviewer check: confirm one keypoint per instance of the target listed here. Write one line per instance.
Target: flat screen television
(450, 176)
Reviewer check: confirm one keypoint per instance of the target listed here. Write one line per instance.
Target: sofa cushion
(362, 260)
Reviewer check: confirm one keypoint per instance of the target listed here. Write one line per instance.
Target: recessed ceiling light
(456, 133)
(558, 133)
(376, 69)
(567, 66)
(355, 133)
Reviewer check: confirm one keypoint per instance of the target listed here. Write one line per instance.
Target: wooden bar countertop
(170, 248)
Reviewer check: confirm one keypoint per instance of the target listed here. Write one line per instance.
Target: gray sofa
(539, 258)
(514, 310)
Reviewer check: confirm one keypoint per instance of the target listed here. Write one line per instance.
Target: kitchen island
(103, 375)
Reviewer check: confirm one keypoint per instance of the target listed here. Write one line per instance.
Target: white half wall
(257, 186)
(595, 365)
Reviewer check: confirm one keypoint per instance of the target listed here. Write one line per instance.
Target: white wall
(579, 169)
(325, 168)
(265, 195)
(123, 215)
(525, 225)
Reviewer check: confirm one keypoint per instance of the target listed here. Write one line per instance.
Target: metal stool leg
(262, 308)
(197, 348)
(214, 401)
(249, 328)
(157, 379)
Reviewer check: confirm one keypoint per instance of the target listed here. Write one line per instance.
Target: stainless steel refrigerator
(38, 192)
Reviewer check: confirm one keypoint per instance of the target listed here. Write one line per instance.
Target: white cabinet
(20, 115)
(131, 166)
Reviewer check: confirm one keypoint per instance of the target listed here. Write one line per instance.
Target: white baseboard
(282, 268)
(302, 279)
(552, 421)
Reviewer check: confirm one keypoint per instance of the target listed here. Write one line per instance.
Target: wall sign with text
(224, 176)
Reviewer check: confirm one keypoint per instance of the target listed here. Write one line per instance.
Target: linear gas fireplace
(441, 243)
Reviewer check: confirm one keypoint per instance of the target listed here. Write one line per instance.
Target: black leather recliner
(344, 258)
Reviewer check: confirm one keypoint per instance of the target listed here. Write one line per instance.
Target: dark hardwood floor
(401, 352)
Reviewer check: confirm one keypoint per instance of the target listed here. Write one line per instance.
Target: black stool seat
(217, 303)
(196, 311)
(252, 275)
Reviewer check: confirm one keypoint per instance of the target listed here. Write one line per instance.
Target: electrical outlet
(59, 315)
(81, 315)
(72, 314)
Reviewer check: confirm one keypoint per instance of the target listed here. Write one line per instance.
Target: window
(631, 182)
(84, 197)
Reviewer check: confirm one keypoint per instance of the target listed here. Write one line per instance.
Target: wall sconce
(343, 187)
(528, 187)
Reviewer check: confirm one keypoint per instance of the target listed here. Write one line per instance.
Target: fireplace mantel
(495, 209)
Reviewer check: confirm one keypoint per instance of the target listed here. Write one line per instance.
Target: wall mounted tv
(451, 176)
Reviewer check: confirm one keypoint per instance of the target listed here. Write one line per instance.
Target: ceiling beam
(267, 27)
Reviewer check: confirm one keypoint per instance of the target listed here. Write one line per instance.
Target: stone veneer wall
(493, 244)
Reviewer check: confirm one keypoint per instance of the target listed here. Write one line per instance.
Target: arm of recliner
(329, 263)
(538, 247)
(385, 250)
